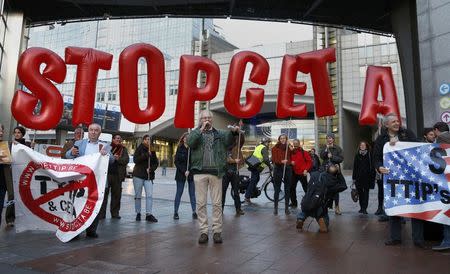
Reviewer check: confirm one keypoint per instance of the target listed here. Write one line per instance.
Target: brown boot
(337, 210)
(322, 225)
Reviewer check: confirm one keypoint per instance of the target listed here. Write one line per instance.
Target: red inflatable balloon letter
(288, 88)
(254, 96)
(128, 81)
(377, 76)
(315, 62)
(188, 90)
(89, 62)
(43, 90)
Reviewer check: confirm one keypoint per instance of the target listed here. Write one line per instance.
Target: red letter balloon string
(41, 87)
(254, 96)
(377, 76)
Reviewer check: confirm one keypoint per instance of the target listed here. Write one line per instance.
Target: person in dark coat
(332, 153)
(315, 160)
(6, 180)
(282, 172)
(143, 175)
(393, 133)
(182, 174)
(363, 175)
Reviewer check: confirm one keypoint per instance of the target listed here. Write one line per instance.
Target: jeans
(324, 214)
(232, 178)
(2, 200)
(138, 183)
(363, 193)
(395, 229)
(180, 189)
(278, 179)
(254, 179)
(446, 239)
(295, 178)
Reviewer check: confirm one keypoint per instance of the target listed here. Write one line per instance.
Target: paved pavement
(257, 242)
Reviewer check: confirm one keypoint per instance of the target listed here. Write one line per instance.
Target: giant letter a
(377, 76)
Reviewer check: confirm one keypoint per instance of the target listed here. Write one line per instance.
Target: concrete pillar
(8, 81)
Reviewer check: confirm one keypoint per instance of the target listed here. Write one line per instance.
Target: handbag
(354, 193)
(252, 161)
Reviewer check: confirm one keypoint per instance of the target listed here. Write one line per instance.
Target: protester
(116, 175)
(315, 160)
(164, 164)
(332, 153)
(182, 174)
(90, 146)
(6, 181)
(441, 130)
(322, 189)
(235, 161)
(428, 135)
(302, 165)
(393, 133)
(262, 154)
(208, 161)
(146, 163)
(282, 172)
(363, 175)
(77, 135)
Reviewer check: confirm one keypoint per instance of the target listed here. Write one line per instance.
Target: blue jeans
(254, 179)
(302, 216)
(446, 239)
(180, 189)
(138, 183)
(395, 229)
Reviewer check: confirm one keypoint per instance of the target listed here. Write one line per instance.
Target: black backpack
(315, 195)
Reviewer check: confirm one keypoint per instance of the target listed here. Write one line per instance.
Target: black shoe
(151, 218)
(379, 211)
(364, 212)
(239, 212)
(383, 218)
(275, 211)
(76, 238)
(420, 245)
(92, 235)
(393, 242)
(138, 217)
(116, 217)
(360, 211)
(194, 216)
(175, 216)
(101, 217)
(287, 211)
(203, 238)
(217, 237)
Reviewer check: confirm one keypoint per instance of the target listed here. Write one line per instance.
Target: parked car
(130, 167)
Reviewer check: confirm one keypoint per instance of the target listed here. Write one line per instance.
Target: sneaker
(392, 242)
(194, 216)
(441, 247)
(203, 238)
(217, 237)
(138, 217)
(175, 216)
(337, 211)
(150, 218)
(91, 235)
(287, 211)
(322, 225)
(116, 217)
(239, 212)
(299, 224)
(247, 200)
(10, 224)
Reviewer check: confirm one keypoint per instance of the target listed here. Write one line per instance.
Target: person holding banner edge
(394, 133)
(90, 146)
(6, 180)
(442, 132)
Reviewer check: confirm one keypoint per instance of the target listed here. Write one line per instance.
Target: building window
(100, 97)
(173, 90)
(112, 96)
(145, 93)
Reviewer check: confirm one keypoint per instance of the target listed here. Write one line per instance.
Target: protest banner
(57, 194)
(418, 183)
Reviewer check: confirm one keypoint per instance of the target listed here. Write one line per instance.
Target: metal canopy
(365, 15)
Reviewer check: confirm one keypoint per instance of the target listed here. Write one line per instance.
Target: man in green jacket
(207, 162)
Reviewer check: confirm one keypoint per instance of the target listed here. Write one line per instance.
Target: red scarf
(116, 149)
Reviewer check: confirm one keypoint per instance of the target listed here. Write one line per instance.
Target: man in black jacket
(393, 133)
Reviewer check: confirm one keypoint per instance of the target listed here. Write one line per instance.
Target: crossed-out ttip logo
(65, 199)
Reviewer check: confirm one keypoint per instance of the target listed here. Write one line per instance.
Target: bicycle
(267, 186)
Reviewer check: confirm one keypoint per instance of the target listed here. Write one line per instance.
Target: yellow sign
(445, 102)
(5, 154)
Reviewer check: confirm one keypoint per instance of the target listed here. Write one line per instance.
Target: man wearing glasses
(208, 163)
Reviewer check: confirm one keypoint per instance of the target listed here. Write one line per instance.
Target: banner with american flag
(418, 183)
